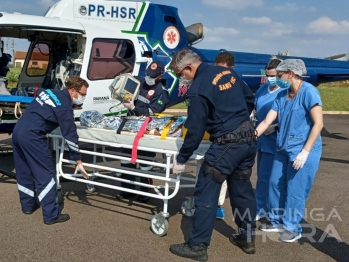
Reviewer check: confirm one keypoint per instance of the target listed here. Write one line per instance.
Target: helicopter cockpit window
(110, 57)
(39, 60)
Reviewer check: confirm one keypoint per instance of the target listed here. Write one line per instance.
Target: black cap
(155, 69)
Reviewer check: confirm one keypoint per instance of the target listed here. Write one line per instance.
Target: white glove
(177, 167)
(80, 168)
(271, 129)
(130, 105)
(299, 161)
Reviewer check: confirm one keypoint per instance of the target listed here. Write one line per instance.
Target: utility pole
(13, 47)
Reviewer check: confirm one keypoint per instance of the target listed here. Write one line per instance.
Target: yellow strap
(166, 129)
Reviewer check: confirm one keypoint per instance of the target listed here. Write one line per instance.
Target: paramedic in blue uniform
(219, 103)
(266, 145)
(298, 109)
(36, 175)
(152, 99)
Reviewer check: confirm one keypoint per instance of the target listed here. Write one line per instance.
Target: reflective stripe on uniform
(47, 189)
(143, 99)
(26, 190)
(72, 146)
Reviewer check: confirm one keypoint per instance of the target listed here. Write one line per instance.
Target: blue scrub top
(263, 102)
(294, 118)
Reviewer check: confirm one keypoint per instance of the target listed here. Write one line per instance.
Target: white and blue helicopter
(100, 39)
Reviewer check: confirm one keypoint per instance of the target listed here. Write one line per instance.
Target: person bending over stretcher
(36, 175)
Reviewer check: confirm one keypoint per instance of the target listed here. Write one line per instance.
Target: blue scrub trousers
(241, 193)
(35, 173)
(264, 166)
(289, 190)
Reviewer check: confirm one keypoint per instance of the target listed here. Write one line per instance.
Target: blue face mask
(283, 84)
(271, 81)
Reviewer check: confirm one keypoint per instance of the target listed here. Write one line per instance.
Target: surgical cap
(297, 66)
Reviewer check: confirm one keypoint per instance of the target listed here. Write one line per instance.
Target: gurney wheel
(188, 207)
(159, 225)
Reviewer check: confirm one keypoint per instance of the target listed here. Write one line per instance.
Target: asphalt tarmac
(102, 228)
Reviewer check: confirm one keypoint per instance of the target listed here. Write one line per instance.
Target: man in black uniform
(152, 98)
(219, 103)
(36, 175)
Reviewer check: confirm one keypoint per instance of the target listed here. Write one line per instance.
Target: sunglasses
(80, 93)
(179, 74)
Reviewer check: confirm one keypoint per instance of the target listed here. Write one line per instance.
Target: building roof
(37, 56)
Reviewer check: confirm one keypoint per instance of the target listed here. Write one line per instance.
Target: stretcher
(107, 144)
(11, 109)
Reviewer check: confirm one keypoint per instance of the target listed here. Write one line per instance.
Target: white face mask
(150, 81)
(80, 100)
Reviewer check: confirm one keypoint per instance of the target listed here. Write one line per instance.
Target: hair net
(297, 66)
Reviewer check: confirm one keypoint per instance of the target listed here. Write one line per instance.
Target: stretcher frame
(159, 222)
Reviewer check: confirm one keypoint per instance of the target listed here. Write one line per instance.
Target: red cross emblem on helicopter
(171, 37)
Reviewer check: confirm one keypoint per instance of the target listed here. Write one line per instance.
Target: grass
(334, 96)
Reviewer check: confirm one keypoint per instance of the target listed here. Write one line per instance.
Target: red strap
(36, 90)
(139, 135)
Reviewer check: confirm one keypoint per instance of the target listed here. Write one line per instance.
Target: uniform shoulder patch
(219, 76)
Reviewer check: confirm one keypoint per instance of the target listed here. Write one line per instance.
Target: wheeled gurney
(107, 144)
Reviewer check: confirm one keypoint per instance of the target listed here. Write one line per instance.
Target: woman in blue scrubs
(298, 109)
(264, 99)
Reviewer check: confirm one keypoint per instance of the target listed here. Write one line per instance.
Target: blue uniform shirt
(151, 99)
(218, 103)
(50, 109)
(294, 118)
(263, 102)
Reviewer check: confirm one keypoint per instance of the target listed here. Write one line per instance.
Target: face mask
(184, 81)
(150, 81)
(79, 101)
(283, 84)
(271, 81)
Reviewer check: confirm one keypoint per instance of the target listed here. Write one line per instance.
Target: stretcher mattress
(14, 99)
(151, 141)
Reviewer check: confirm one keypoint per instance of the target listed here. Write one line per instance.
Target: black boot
(246, 245)
(198, 253)
(124, 195)
(61, 219)
(36, 206)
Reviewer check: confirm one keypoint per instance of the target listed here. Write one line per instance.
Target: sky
(315, 28)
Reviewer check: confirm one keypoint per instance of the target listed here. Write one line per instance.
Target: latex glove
(299, 161)
(271, 129)
(130, 105)
(177, 167)
(80, 168)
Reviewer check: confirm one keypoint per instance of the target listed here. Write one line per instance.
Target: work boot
(198, 253)
(36, 207)
(61, 219)
(143, 199)
(246, 246)
(124, 195)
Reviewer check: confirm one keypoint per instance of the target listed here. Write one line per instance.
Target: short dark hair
(76, 82)
(225, 58)
(272, 64)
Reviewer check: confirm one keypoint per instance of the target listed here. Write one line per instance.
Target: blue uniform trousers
(36, 175)
(242, 198)
(289, 190)
(264, 166)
